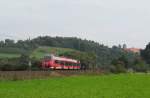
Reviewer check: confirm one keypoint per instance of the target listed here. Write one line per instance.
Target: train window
(66, 63)
(56, 61)
(74, 64)
(70, 64)
(47, 57)
(62, 63)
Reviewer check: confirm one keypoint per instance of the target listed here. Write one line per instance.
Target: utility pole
(30, 65)
(29, 62)
(79, 50)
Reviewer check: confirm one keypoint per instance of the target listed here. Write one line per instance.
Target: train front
(47, 61)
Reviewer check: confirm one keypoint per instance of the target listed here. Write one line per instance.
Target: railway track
(21, 75)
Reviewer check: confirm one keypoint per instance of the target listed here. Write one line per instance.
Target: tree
(140, 65)
(9, 42)
(124, 46)
(2, 43)
(119, 46)
(145, 54)
(24, 61)
(119, 65)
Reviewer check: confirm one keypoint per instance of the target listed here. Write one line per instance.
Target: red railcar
(55, 62)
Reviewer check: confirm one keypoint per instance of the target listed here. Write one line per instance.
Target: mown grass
(41, 51)
(105, 86)
(10, 52)
(9, 55)
(37, 53)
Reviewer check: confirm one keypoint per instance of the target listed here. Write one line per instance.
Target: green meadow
(42, 51)
(38, 53)
(103, 86)
(7, 55)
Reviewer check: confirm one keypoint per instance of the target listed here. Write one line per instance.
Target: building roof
(135, 50)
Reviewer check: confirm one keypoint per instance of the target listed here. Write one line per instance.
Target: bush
(13, 64)
(12, 67)
(118, 68)
(36, 64)
(119, 65)
(140, 65)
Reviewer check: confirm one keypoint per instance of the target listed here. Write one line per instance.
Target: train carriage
(55, 62)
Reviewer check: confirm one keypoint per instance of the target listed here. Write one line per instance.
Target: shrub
(140, 65)
(118, 68)
(36, 64)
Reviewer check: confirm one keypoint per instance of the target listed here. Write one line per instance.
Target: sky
(109, 22)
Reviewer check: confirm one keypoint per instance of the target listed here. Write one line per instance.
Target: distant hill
(39, 46)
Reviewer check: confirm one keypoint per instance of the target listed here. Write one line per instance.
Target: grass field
(8, 55)
(37, 53)
(10, 52)
(41, 51)
(104, 86)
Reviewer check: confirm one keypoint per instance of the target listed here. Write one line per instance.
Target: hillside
(10, 52)
(41, 51)
(37, 53)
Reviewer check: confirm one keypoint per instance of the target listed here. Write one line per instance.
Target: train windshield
(47, 57)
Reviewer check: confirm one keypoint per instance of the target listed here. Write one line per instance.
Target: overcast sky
(110, 22)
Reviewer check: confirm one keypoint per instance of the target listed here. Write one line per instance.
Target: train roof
(64, 59)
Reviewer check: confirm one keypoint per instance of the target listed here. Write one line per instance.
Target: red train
(55, 62)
